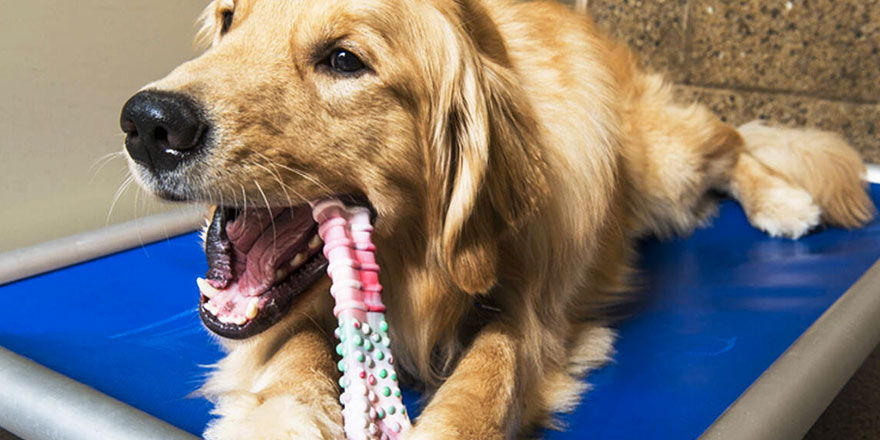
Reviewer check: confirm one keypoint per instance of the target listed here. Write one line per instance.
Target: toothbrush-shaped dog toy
(372, 408)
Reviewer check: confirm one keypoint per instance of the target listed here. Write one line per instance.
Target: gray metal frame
(45, 257)
(40, 404)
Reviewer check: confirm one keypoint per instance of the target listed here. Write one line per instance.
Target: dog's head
(409, 106)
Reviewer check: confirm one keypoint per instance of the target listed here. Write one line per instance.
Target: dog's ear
(207, 25)
(489, 171)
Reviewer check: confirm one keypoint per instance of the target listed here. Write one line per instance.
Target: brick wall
(794, 63)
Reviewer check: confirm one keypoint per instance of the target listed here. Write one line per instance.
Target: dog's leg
(280, 384)
(787, 180)
(502, 385)
(479, 400)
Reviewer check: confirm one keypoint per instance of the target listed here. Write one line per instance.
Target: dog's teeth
(280, 274)
(298, 260)
(206, 288)
(251, 312)
(209, 306)
(315, 242)
(239, 320)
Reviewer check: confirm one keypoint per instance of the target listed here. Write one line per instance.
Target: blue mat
(718, 308)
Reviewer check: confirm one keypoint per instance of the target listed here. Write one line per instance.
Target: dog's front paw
(278, 417)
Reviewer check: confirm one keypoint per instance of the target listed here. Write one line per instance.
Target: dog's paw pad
(786, 212)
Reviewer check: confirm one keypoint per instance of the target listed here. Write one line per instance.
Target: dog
(511, 154)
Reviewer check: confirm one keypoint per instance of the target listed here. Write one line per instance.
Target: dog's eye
(227, 21)
(344, 61)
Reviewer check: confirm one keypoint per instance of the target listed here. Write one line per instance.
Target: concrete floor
(855, 413)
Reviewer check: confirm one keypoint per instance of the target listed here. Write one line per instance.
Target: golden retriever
(511, 154)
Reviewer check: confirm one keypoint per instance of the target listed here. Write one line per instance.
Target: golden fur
(513, 153)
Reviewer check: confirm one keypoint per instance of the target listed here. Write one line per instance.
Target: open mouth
(259, 260)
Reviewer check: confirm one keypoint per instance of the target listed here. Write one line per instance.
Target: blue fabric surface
(717, 309)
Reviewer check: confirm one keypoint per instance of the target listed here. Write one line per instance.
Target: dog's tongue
(264, 241)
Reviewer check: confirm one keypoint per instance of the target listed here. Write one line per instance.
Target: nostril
(160, 135)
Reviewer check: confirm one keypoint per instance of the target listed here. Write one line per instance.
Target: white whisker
(306, 176)
(284, 187)
(268, 208)
(102, 162)
(122, 188)
(244, 196)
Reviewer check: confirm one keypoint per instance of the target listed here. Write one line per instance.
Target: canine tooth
(206, 288)
(298, 260)
(251, 312)
(315, 242)
(239, 320)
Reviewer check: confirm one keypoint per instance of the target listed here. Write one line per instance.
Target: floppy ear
(489, 175)
(207, 34)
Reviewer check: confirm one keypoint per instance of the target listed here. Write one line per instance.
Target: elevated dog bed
(737, 335)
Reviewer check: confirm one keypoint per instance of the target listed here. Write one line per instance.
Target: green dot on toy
(383, 326)
(383, 373)
(386, 392)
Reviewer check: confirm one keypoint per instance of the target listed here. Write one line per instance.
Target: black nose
(161, 128)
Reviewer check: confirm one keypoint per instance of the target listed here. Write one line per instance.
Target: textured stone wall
(795, 63)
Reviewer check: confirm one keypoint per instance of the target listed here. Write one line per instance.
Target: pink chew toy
(372, 408)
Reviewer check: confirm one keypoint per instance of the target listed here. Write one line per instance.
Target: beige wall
(66, 70)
